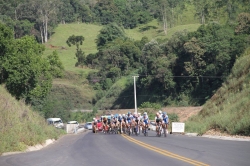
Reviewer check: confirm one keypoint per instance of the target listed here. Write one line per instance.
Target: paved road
(108, 150)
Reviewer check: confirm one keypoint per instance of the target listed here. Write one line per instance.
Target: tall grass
(20, 126)
(228, 109)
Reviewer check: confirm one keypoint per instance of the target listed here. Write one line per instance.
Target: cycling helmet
(123, 115)
(119, 115)
(112, 115)
(145, 113)
(160, 111)
(139, 113)
(164, 113)
(129, 112)
(93, 118)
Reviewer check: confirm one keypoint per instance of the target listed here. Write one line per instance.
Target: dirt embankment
(183, 112)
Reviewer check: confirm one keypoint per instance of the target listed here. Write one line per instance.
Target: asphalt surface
(107, 150)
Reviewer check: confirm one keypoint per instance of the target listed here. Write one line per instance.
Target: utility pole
(135, 94)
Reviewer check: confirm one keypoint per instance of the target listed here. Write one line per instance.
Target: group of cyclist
(132, 123)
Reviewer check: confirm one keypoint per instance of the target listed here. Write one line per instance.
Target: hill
(74, 87)
(90, 32)
(20, 126)
(228, 110)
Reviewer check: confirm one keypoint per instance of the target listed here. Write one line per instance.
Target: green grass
(67, 56)
(20, 126)
(158, 33)
(228, 109)
(90, 32)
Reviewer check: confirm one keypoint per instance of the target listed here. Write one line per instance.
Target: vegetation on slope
(228, 109)
(20, 126)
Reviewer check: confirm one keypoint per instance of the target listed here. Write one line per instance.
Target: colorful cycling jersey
(145, 120)
(119, 118)
(104, 120)
(129, 118)
(109, 120)
(145, 116)
(165, 119)
(114, 120)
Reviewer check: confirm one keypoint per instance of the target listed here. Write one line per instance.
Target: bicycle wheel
(159, 132)
(136, 130)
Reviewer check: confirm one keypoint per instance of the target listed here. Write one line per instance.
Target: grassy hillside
(20, 126)
(66, 53)
(75, 80)
(90, 32)
(228, 110)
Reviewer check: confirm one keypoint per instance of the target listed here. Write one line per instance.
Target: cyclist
(140, 116)
(165, 121)
(124, 121)
(104, 123)
(113, 121)
(136, 120)
(158, 121)
(109, 121)
(160, 113)
(94, 125)
(145, 120)
(119, 119)
(129, 119)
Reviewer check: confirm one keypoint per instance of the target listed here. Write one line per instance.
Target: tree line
(189, 67)
(40, 17)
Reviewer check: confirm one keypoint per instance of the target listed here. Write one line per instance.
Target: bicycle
(145, 130)
(158, 130)
(128, 130)
(164, 126)
(136, 129)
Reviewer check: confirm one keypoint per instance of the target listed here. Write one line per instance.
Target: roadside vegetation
(228, 109)
(20, 126)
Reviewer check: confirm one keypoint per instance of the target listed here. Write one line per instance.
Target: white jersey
(145, 117)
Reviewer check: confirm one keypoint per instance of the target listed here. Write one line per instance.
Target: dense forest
(40, 17)
(186, 69)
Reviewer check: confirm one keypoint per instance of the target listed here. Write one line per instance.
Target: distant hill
(228, 109)
(74, 86)
(20, 126)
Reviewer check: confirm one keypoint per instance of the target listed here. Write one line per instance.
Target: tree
(77, 40)
(28, 73)
(55, 65)
(6, 46)
(44, 12)
(243, 26)
(109, 33)
(201, 8)
(164, 10)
